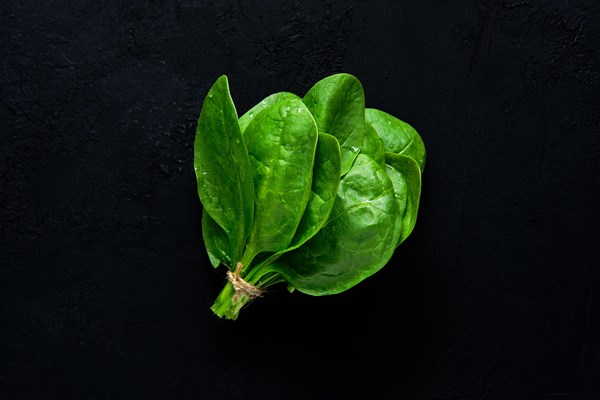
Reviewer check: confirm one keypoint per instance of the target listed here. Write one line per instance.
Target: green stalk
(229, 303)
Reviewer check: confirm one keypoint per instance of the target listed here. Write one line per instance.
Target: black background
(105, 283)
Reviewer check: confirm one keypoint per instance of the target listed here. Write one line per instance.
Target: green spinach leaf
(398, 137)
(281, 143)
(358, 239)
(215, 241)
(338, 105)
(373, 146)
(222, 167)
(326, 178)
(266, 102)
(406, 178)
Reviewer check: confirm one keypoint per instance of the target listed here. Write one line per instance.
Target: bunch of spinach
(316, 191)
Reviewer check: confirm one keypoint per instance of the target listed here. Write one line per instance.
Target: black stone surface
(105, 286)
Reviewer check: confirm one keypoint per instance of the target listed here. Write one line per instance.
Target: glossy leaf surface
(215, 241)
(281, 144)
(338, 105)
(373, 146)
(406, 178)
(357, 240)
(266, 102)
(397, 136)
(222, 167)
(326, 179)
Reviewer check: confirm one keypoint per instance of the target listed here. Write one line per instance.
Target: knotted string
(241, 286)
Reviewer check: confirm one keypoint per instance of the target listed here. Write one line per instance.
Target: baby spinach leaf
(372, 146)
(266, 102)
(222, 167)
(281, 144)
(406, 178)
(215, 241)
(338, 105)
(326, 178)
(405, 158)
(398, 137)
(357, 240)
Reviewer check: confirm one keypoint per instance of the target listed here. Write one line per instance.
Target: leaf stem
(229, 302)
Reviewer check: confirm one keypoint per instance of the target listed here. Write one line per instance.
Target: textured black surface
(105, 284)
